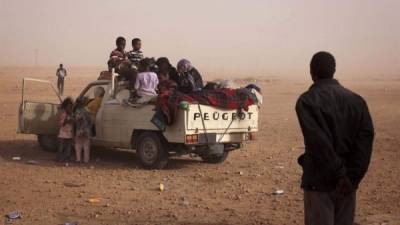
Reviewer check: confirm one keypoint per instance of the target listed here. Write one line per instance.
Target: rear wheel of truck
(215, 158)
(47, 142)
(151, 151)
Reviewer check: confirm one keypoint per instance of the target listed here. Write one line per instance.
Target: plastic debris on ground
(33, 162)
(278, 192)
(14, 215)
(73, 184)
(94, 200)
(71, 223)
(162, 187)
(16, 158)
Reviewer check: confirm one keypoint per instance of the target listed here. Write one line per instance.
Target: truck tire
(151, 151)
(48, 143)
(215, 158)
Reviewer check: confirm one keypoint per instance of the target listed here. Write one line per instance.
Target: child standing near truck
(65, 134)
(83, 131)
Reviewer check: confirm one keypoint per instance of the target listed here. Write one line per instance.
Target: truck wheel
(47, 142)
(215, 158)
(151, 151)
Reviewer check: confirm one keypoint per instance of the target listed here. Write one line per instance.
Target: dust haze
(272, 40)
(247, 38)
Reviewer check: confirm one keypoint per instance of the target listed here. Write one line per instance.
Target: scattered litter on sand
(33, 162)
(94, 200)
(162, 187)
(14, 215)
(278, 192)
(70, 223)
(16, 158)
(73, 184)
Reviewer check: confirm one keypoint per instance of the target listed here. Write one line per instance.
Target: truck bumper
(216, 138)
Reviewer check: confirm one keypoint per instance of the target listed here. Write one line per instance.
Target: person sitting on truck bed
(167, 75)
(165, 68)
(166, 84)
(93, 106)
(146, 83)
(190, 79)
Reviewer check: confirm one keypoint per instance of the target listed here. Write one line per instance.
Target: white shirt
(61, 72)
(146, 84)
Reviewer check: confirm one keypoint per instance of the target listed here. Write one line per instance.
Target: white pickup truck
(202, 130)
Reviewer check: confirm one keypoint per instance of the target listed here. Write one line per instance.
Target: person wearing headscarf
(190, 79)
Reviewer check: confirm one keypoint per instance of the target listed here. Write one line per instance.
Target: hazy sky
(250, 36)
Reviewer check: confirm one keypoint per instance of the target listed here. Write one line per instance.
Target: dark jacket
(190, 81)
(338, 135)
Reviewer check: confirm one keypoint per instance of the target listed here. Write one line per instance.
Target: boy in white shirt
(146, 83)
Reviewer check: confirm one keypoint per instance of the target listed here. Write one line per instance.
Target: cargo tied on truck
(208, 124)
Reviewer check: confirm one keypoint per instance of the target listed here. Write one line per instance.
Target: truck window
(90, 92)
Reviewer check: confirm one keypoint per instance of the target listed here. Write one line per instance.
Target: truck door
(113, 118)
(39, 116)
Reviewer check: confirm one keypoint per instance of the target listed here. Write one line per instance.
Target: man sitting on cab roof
(136, 54)
(118, 55)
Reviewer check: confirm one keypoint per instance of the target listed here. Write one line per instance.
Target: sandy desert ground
(239, 191)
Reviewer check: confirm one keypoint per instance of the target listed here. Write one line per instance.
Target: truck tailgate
(218, 120)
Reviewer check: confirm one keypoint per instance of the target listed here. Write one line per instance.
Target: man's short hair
(61, 65)
(135, 40)
(323, 65)
(145, 63)
(163, 60)
(119, 40)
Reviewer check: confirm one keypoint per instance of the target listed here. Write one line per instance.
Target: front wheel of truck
(215, 158)
(151, 151)
(47, 142)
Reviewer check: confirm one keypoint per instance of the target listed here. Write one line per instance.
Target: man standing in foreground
(61, 74)
(338, 136)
